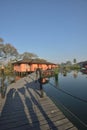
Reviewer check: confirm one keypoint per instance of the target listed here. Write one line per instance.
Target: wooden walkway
(24, 109)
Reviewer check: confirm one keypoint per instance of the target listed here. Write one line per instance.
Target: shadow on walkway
(22, 110)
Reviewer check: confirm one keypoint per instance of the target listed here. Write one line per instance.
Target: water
(70, 92)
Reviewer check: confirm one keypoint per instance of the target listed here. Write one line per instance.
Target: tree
(7, 49)
(10, 50)
(68, 63)
(1, 41)
(74, 61)
(28, 55)
(1, 44)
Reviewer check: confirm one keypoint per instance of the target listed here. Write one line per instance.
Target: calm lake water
(70, 94)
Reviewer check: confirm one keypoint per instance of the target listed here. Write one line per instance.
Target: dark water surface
(70, 92)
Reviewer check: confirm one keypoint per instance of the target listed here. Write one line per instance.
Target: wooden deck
(24, 109)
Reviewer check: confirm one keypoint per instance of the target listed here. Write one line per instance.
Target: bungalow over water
(28, 66)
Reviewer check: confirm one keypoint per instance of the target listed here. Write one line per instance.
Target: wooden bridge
(24, 109)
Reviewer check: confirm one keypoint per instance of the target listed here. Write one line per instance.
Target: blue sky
(55, 30)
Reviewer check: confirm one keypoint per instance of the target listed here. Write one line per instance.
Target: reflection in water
(56, 80)
(45, 80)
(84, 70)
(75, 74)
(64, 73)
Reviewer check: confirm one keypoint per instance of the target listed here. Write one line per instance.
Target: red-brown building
(28, 66)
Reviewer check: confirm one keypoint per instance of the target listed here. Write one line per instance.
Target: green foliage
(1, 40)
(74, 61)
(8, 69)
(56, 70)
(28, 55)
(75, 67)
(9, 49)
(1, 46)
